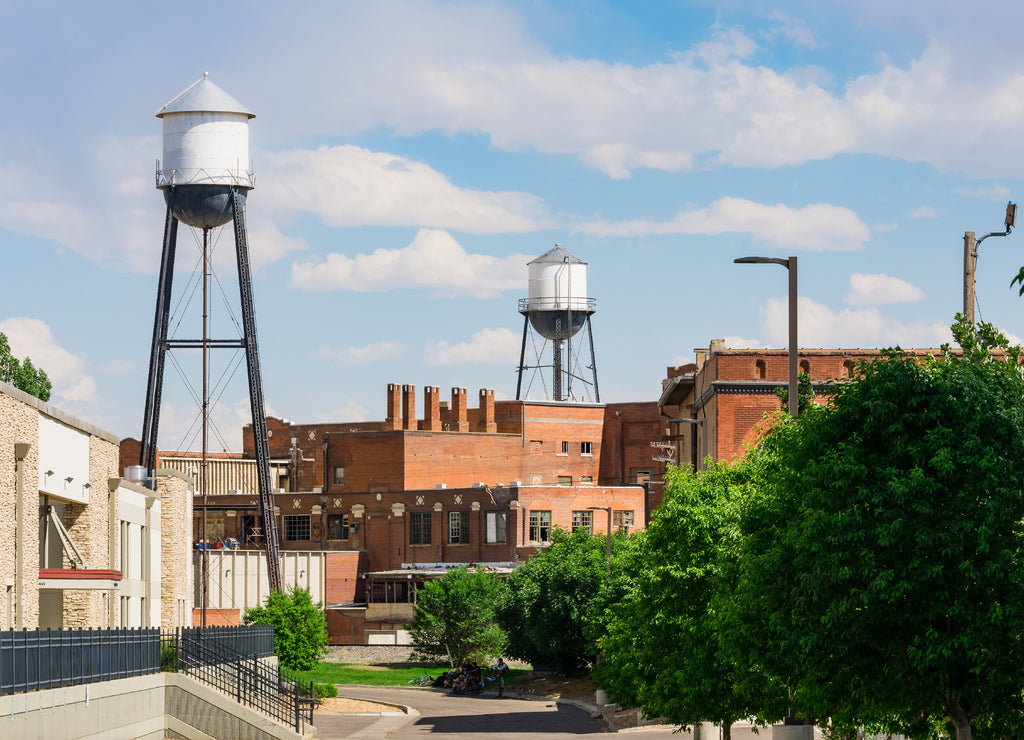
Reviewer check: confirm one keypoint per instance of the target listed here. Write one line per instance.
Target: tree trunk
(961, 722)
(727, 731)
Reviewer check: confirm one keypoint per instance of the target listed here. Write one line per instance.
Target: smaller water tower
(557, 309)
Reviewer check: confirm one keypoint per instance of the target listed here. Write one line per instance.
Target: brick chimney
(408, 407)
(394, 417)
(460, 412)
(487, 422)
(431, 409)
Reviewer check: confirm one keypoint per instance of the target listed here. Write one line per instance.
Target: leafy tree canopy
(454, 617)
(23, 375)
(553, 604)
(883, 571)
(300, 628)
(662, 650)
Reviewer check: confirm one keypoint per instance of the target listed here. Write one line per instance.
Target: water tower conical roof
(203, 95)
(559, 255)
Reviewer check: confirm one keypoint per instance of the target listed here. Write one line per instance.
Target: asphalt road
(441, 714)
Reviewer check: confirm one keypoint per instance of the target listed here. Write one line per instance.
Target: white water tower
(205, 177)
(557, 309)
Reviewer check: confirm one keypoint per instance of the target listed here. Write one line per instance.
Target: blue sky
(411, 157)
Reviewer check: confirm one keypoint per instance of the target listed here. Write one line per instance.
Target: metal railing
(207, 655)
(31, 660)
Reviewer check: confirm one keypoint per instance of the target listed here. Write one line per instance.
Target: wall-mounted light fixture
(69, 479)
(48, 473)
(87, 485)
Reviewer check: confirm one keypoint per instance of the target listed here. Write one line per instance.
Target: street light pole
(790, 265)
(608, 544)
(971, 257)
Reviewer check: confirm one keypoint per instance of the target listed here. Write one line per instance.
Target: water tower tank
(206, 153)
(558, 306)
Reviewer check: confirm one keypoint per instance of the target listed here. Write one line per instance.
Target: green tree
(454, 617)
(883, 572)
(805, 393)
(554, 599)
(300, 627)
(23, 375)
(662, 650)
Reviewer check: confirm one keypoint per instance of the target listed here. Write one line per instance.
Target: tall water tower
(205, 178)
(557, 309)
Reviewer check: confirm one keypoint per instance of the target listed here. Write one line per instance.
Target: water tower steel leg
(556, 361)
(259, 418)
(593, 361)
(154, 389)
(522, 357)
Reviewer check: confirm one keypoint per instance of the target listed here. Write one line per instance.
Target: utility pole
(971, 257)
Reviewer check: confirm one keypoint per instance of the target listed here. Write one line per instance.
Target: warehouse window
(337, 526)
(540, 526)
(622, 520)
(494, 522)
(565, 480)
(586, 448)
(339, 476)
(583, 520)
(565, 448)
(296, 527)
(419, 528)
(458, 527)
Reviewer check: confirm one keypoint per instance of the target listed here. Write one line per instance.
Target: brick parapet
(409, 407)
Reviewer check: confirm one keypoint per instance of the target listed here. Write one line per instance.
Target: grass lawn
(372, 675)
(366, 675)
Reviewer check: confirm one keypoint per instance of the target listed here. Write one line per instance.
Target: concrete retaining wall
(146, 707)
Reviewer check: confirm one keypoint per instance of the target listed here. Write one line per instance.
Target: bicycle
(425, 680)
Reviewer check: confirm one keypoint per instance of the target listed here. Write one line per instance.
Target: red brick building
(728, 393)
(411, 495)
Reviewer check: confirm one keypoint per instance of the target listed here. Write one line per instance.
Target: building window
(540, 526)
(339, 475)
(419, 528)
(583, 520)
(494, 524)
(565, 480)
(641, 476)
(586, 448)
(622, 520)
(805, 367)
(252, 529)
(587, 479)
(536, 480)
(565, 448)
(458, 527)
(337, 526)
(296, 527)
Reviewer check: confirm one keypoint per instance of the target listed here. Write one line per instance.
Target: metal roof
(203, 95)
(558, 255)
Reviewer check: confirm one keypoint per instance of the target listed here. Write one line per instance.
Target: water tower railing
(548, 303)
(204, 176)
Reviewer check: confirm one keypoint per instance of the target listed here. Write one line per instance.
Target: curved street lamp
(789, 264)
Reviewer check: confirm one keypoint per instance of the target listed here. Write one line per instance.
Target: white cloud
(361, 355)
(875, 290)
(794, 30)
(32, 338)
(866, 328)
(740, 343)
(814, 227)
(994, 192)
(885, 227)
(923, 212)
(351, 186)
(433, 260)
(487, 345)
(351, 411)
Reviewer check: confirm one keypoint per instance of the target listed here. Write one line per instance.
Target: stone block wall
(175, 548)
(19, 423)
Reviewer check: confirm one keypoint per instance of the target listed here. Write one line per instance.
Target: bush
(169, 656)
(325, 690)
(300, 628)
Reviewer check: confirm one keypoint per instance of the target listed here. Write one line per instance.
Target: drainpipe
(20, 453)
(112, 549)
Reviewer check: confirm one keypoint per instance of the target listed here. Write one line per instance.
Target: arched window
(805, 366)
(847, 368)
(759, 370)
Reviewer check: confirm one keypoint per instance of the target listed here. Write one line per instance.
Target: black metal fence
(207, 655)
(250, 641)
(31, 660)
